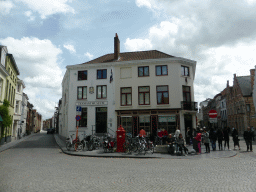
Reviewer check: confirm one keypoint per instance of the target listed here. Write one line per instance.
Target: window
(162, 94)
(126, 96)
(144, 122)
(82, 75)
(83, 120)
(161, 70)
(143, 71)
(17, 107)
(144, 96)
(81, 92)
(101, 91)
(248, 108)
(184, 71)
(102, 74)
(186, 93)
(126, 123)
(168, 123)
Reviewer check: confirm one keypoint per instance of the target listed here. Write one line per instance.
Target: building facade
(145, 89)
(18, 117)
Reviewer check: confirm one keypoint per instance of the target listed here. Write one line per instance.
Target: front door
(101, 119)
(188, 122)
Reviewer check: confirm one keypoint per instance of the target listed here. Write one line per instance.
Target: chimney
(252, 74)
(116, 47)
(227, 83)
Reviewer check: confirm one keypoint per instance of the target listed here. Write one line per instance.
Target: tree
(7, 120)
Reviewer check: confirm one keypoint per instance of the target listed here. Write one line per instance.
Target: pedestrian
(198, 139)
(226, 137)
(177, 133)
(142, 133)
(213, 138)
(206, 141)
(181, 146)
(194, 132)
(235, 138)
(220, 138)
(248, 135)
(188, 136)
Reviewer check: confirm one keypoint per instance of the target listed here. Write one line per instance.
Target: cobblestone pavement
(38, 164)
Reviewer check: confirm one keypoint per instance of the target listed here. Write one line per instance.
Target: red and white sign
(212, 113)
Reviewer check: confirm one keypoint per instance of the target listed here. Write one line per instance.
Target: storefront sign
(92, 103)
(166, 119)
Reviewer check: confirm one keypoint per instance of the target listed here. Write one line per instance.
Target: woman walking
(206, 141)
(235, 138)
(198, 139)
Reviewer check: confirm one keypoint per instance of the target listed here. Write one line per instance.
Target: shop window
(162, 94)
(102, 74)
(126, 123)
(82, 75)
(168, 123)
(184, 71)
(144, 96)
(83, 121)
(126, 96)
(81, 92)
(161, 70)
(101, 91)
(144, 123)
(143, 71)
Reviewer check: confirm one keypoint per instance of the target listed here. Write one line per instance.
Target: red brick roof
(130, 56)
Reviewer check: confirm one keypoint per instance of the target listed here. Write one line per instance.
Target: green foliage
(4, 112)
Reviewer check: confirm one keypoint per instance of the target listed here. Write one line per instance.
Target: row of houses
(144, 89)
(234, 105)
(25, 119)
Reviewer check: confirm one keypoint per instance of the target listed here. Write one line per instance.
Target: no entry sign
(212, 113)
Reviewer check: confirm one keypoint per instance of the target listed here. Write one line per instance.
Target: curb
(58, 140)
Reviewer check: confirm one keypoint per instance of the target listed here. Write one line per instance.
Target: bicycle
(129, 145)
(73, 143)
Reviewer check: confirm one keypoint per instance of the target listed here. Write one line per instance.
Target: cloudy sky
(45, 36)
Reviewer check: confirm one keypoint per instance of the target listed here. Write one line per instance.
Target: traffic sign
(78, 117)
(78, 108)
(212, 113)
(213, 120)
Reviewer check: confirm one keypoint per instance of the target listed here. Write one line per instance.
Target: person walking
(194, 132)
(206, 141)
(213, 138)
(226, 137)
(235, 138)
(198, 139)
(248, 136)
(220, 138)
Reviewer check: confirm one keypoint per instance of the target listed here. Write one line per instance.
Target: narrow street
(37, 164)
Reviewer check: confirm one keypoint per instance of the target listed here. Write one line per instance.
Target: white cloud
(69, 47)
(138, 44)
(38, 63)
(90, 56)
(5, 7)
(46, 8)
(29, 15)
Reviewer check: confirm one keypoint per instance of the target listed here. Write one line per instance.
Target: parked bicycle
(93, 142)
(130, 144)
(73, 143)
(108, 143)
(143, 144)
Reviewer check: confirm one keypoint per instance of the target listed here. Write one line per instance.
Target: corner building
(144, 89)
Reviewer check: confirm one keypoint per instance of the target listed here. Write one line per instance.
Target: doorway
(188, 122)
(101, 119)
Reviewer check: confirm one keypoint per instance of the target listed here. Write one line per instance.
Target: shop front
(151, 121)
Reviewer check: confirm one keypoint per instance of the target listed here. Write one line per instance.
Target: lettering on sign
(93, 103)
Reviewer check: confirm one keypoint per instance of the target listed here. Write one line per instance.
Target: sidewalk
(13, 143)
(100, 153)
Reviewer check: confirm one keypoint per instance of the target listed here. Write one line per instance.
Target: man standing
(248, 135)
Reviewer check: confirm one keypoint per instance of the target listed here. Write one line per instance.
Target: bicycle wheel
(90, 147)
(134, 148)
(79, 146)
(125, 147)
(68, 146)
